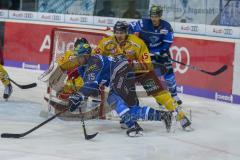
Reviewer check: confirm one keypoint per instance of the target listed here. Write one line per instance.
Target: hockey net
(63, 39)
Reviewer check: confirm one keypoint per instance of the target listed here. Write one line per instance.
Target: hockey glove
(75, 101)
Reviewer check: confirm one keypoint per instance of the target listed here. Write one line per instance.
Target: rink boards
(27, 45)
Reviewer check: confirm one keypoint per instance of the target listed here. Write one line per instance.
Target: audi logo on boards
(178, 53)
(194, 28)
(83, 19)
(228, 31)
(28, 15)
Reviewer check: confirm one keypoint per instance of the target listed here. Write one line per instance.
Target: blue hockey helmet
(81, 47)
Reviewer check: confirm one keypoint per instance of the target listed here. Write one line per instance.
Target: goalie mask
(81, 47)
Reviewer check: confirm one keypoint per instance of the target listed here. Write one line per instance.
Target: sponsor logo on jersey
(92, 67)
(164, 31)
(150, 85)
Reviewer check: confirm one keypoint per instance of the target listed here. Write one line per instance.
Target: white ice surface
(216, 135)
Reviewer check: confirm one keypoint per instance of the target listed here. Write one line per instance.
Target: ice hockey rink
(216, 134)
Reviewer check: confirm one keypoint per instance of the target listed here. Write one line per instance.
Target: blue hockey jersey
(96, 72)
(158, 39)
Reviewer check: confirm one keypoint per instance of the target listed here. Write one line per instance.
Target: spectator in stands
(11, 5)
(4, 4)
(15, 5)
(132, 12)
(106, 11)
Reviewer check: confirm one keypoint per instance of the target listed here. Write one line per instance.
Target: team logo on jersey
(180, 54)
(154, 39)
(110, 47)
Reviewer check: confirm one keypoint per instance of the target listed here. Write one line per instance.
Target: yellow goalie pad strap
(165, 98)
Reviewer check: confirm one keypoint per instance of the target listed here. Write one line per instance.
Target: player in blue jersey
(158, 36)
(117, 73)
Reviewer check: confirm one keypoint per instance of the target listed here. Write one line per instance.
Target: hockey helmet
(121, 26)
(156, 11)
(81, 47)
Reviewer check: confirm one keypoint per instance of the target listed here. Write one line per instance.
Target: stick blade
(32, 85)
(222, 69)
(10, 135)
(88, 137)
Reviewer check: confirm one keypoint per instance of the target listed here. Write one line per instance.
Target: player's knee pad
(165, 98)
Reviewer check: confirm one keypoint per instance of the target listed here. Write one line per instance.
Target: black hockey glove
(161, 61)
(75, 101)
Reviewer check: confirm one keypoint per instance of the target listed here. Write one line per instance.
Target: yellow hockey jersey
(133, 47)
(68, 61)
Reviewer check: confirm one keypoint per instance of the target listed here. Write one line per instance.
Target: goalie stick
(27, 86)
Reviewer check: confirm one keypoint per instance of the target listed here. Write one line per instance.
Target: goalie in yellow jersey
(64, 77)
(137, 52)
(5, 80)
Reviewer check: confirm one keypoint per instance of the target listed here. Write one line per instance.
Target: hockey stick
(12, 135)
(86, 136)
(27, 86)
(217, 72)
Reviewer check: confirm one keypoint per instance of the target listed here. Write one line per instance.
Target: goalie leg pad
(56, 79)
